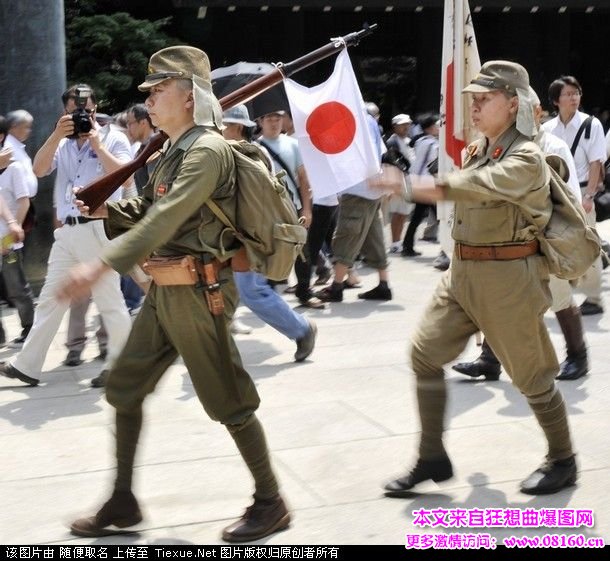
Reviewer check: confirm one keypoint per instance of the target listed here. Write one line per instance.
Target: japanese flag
(330, 126)
(460, 64)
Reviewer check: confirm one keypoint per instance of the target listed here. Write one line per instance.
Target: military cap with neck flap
(499, 75)
(180, 62)
(512, 78)
(187, 63)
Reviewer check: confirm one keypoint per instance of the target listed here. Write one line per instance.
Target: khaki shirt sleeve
(200, 173)
(512, 179)
(124, 214)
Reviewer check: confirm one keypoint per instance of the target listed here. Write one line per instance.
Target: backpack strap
(586, 124)
(220, 214)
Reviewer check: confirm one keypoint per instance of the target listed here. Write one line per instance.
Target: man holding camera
(80, 151)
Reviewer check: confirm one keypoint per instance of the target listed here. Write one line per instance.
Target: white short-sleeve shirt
(592, 149)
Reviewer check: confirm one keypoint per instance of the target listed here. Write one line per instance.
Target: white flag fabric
(329, 122)
(460, 64)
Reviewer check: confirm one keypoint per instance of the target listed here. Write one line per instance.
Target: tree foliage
(110, 52)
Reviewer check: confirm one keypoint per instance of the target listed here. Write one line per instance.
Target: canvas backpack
(266, 220)
(568, 243)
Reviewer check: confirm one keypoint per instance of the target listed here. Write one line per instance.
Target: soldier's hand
(64, 127)
(81, 278)
(427, 189)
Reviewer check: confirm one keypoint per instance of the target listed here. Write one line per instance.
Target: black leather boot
(262, 518)
(486, 365)
(120, 511)
(576, 364)
(437, 470)
(551, 477)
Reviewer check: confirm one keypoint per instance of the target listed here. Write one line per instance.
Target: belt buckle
(459, 250)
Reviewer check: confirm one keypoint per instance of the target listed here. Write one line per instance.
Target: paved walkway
(339, 425)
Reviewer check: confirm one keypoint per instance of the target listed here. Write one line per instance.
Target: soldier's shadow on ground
(592, 324)
(133, 539)
(256, 371)
(56, 397)
(360, 309)
(467, 393)
(482, 496)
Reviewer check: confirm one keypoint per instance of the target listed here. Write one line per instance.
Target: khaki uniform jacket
(170, 217)
(496, 182)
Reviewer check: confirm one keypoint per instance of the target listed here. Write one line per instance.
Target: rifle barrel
(96, 192)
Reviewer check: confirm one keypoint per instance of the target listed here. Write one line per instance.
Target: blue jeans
(257, 295)
(132, 293)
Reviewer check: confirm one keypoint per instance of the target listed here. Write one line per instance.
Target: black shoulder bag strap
(586, 124)
(280, 161)
(423, 167)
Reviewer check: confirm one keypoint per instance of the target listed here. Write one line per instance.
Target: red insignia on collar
(497, 152)
(161, 189)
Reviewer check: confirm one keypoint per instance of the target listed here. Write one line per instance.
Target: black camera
(80, 117)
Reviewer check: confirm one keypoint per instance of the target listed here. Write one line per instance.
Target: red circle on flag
(331, 127)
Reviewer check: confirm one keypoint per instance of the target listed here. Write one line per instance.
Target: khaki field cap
(499, 75)
(180, 62)
(512, 78)
(187, 63)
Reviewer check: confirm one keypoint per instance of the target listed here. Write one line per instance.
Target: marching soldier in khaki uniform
(498, 282)
(183, 313)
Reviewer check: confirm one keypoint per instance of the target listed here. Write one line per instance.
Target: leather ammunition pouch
(178, 270)
(172, 271)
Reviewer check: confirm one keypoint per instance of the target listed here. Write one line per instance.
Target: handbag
(602, 205)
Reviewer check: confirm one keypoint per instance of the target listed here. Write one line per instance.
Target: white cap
(401, 119)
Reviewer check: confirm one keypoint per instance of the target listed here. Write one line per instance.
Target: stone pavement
(339, 425)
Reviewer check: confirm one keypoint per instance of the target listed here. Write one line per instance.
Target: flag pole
(96, 192)
(460, 63)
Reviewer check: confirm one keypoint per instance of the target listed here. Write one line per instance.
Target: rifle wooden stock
(96, 192)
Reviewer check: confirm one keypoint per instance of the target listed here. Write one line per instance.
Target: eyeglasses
(570, 94)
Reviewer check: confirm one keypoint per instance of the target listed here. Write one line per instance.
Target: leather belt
(74, 220)
(496, 252)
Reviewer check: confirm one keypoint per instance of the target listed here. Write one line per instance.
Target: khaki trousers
(175, 321)
(506, 300)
